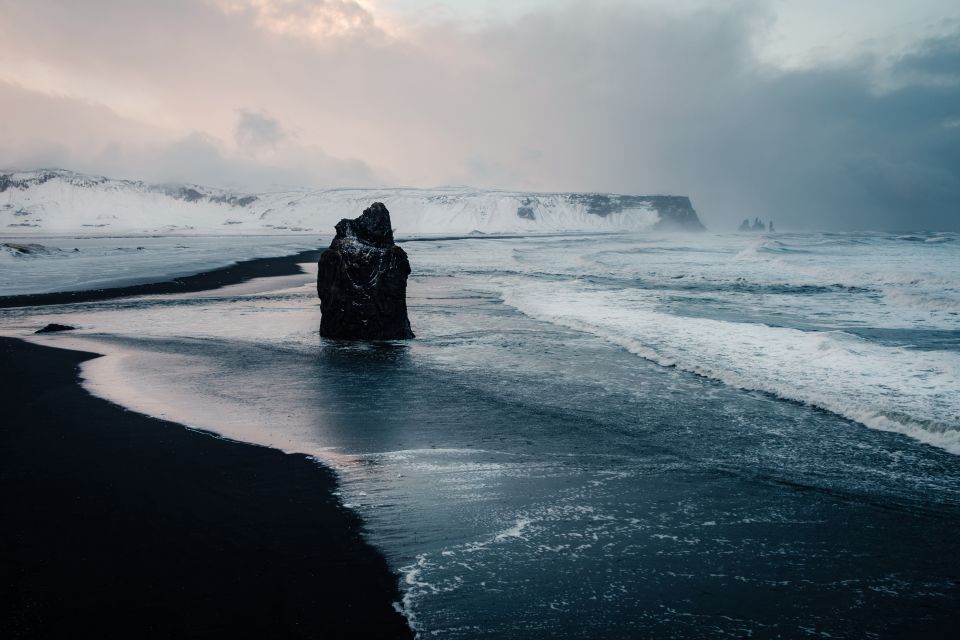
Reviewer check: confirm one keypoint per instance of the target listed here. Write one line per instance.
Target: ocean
(631, 435)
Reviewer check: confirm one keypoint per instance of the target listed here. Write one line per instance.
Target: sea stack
(362, 281)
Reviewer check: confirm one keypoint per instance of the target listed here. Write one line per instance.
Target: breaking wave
(888, 388)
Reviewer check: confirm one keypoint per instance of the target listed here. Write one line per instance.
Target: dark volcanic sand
(234, 274)
(115, 525)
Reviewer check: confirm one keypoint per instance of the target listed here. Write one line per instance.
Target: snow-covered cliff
(56, 201)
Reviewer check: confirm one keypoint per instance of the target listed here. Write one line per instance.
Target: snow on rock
(57, 201)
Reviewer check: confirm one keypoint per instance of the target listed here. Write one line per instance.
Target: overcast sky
(818, 114)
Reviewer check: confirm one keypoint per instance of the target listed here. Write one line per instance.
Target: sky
(817, 114)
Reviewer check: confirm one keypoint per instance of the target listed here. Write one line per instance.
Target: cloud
(201, 159)
(316, 20)
(612, 96)
(935, 61)
(256, 131)
(53, 131)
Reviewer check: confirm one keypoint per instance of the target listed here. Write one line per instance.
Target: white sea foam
(552, 496)
(515, 531)
(929, 301)
(890, 388)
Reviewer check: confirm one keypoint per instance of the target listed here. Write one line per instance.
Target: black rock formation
(362, 281)
(53, 327)
(31, 248)
(757, 225)
(676, 212)
(526, 212)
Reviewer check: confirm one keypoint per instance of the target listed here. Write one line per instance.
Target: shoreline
(835, 569)
(213, 279)
(122, 525)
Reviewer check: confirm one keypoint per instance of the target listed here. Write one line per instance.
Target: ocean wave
(928, 237)
(769, 246)
(828, 271)
(830, 240)
(887, 388)
(742, 285)
(929, 301)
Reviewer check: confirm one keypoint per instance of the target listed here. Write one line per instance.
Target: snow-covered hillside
(56, 201)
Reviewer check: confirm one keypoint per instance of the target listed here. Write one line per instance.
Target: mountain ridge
(62, 201)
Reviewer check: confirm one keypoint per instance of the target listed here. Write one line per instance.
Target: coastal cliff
(58, 201)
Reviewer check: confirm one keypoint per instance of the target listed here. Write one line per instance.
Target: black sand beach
(233, 274)
(116, 525)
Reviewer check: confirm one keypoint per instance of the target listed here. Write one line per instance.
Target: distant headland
(756, 225)
(59, 201)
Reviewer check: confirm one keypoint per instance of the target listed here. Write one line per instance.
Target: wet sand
(234, 274)
(116, 525)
